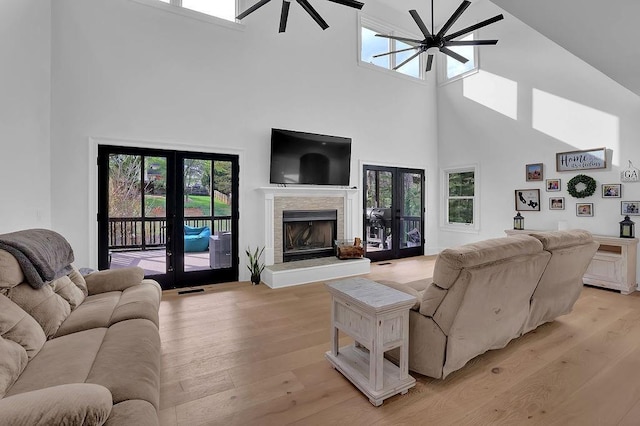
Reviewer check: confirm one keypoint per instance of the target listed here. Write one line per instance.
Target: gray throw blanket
(43, 255)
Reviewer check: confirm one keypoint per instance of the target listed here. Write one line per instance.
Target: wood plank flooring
(239, 354)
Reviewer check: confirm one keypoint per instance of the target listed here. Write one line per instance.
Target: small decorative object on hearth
(581, 186)
(349, 250)
(255, 265)
(627, 228)
(518, 222)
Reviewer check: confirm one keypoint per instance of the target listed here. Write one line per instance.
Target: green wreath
(589, 183)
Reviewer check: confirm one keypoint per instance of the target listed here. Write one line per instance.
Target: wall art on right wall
(630, 208)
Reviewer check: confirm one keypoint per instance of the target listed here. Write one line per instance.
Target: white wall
(123, 70)
(25, 173)
(563, 104)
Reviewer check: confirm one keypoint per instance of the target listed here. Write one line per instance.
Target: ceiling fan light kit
(284, 13)
(440, 40)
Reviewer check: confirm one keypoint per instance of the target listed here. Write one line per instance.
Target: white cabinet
(614, 264)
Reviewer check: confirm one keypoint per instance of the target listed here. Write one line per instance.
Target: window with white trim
(453, 69)
(460, 206)
(225, 9)
(371, 45)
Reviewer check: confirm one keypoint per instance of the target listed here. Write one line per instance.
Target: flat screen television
(308, 158)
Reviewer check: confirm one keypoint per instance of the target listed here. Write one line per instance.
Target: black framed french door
(173, 213)
(393, 212)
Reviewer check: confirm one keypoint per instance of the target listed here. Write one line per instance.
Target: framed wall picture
(611, 190)
(553, 185)
(556, 203)
(584, 209)
(581, 160)
(527, 199)
(630, 208)
(534, 172)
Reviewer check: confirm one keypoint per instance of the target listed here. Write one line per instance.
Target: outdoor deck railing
(137, 233)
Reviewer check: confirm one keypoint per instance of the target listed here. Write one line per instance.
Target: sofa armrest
(72, 404)
(114, 279)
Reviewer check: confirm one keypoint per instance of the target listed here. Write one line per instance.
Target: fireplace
(308, 234)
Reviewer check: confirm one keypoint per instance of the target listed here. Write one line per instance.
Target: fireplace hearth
(308, 234)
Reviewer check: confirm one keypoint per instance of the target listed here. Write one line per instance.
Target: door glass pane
(410, 223)
(221, 241)
(197, 213)
(137, 234)
(378, 213)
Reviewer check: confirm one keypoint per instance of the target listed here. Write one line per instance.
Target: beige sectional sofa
(79, 350)
(485, 294)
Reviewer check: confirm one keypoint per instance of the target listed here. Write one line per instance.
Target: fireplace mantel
(349, 196)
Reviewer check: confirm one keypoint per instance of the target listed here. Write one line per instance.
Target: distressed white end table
(377, 318)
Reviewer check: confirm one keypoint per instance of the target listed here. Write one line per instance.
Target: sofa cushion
(78, 279)
(63, 360)
(70, 292)
(128, 363)
(94, 312)
(140, 301)
(106, 309)
(43, 304)
(114, 279)
(20, 327)
(13, 359)
(451, 261)
(10, 272)
(72, 404)
(560, 239)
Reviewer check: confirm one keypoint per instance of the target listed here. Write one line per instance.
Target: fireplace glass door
(394, 212)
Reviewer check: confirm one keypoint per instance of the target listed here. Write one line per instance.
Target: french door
(173, 213)
(393, 212)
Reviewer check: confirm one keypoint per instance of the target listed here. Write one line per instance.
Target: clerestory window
(452, 69)
(370, 45)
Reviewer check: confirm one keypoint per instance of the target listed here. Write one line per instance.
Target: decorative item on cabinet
(518, 222)
(627, 228)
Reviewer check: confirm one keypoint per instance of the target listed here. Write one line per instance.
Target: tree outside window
(460, 197)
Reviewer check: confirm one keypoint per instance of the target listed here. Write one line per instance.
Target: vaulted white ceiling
(605, 34)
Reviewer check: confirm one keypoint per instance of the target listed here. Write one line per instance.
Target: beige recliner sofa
(485, 294)
(79, 350)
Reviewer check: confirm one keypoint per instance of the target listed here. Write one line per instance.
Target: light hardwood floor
(242, 354)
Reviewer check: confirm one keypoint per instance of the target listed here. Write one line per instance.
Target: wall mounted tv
(308, 158)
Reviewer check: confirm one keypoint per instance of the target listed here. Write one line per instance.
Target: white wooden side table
(377, 318)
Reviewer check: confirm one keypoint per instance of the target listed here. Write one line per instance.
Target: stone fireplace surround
(278, 199)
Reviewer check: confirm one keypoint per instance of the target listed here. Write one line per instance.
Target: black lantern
(518, 222)
(627, 228)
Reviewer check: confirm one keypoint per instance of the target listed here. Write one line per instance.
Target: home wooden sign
(581, 160)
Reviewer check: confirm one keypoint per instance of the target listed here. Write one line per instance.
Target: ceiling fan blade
(470, 42)
(465, 4)
(253, 8)
(421, 25)
(313, 13)
(410, 58)
(404, 39)
(474, 27)
(454, 55)
(395, 51)
(351, 3)
(429, 62)
(284, 15)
